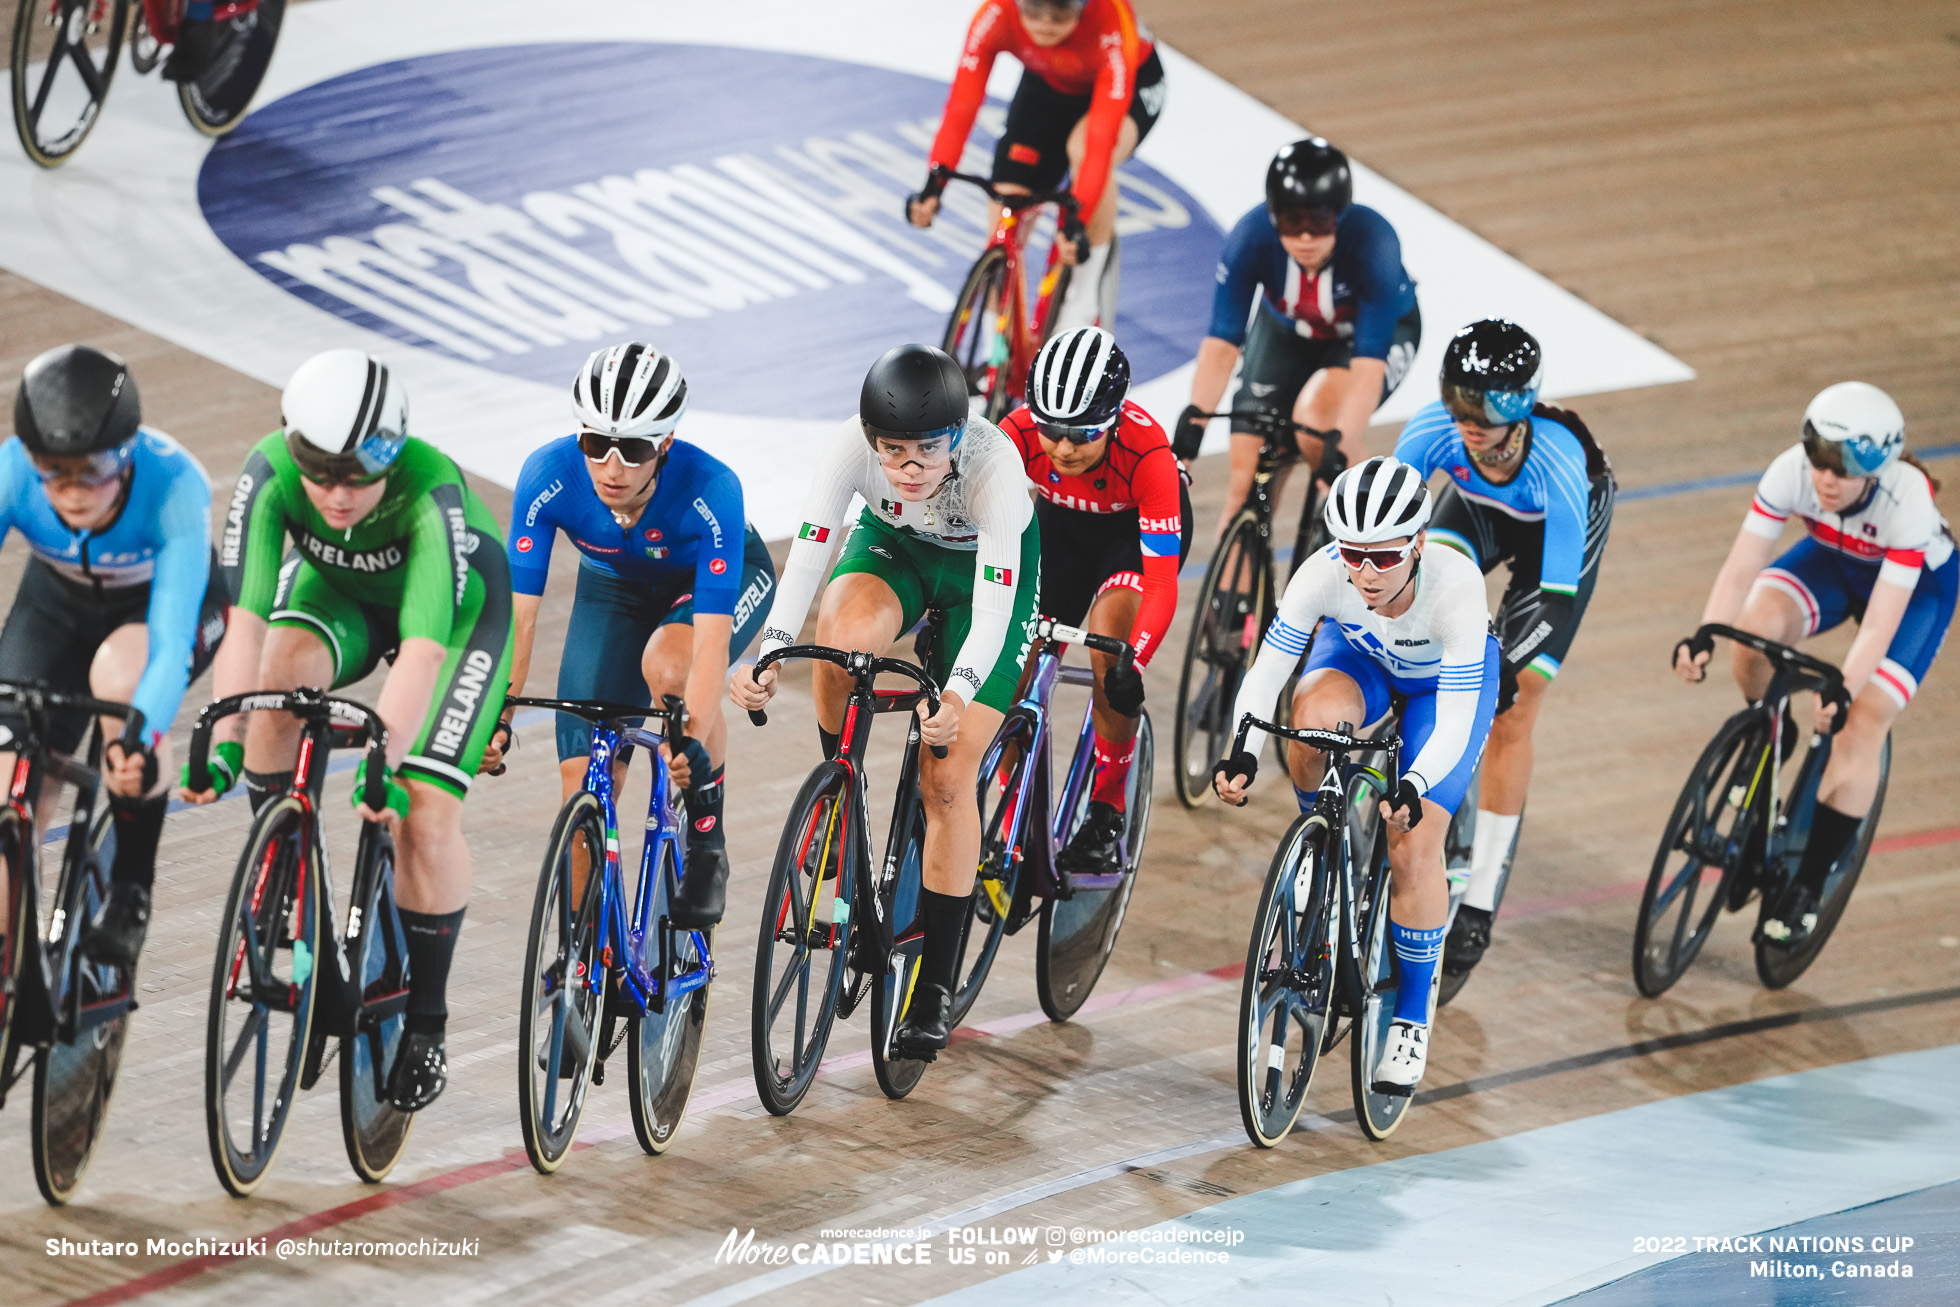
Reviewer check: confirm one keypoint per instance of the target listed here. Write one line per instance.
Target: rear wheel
(263, 984)
(664, 1048)
(1285, 997)
(802, 952)
(558, 1016)
(1699, 852)
(74, 1079)
(1779, 964)
(216, 102)
(64, 56)
(1224, 632)
(892, 989)
(980, 337)
(377, 955)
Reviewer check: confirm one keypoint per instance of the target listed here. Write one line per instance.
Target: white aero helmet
(1382, 499)
(1078, 381)
(1853, 429)
(346, 416)
(630, 390)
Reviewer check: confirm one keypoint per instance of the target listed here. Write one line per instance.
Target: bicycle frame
(163, 16)
(1013, 222)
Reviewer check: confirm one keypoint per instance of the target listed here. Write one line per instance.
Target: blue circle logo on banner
(519, 207)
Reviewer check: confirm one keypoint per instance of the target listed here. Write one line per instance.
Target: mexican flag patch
(892, 507)
(811, 531)
(998, 575)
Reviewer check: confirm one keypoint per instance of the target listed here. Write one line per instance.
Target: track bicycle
(1238, 598)
(1736, 832)
(595, 976)
(288, 988)
(994, 332)
(1320, 964)
(68, 1013)
(835, 927)
(65, 54)
(1025, 823)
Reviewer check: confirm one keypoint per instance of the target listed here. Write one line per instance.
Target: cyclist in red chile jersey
(1092, 89)
(394, 557)
(1115, 526)
(672, 584)
(1336, 325)
(1877, 551)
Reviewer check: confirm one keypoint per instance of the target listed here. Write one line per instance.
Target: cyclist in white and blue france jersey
(1529, 487)
(122, 597)
(1388, 621)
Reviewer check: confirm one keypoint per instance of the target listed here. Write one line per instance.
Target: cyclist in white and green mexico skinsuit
(394, 557)
(947, 525)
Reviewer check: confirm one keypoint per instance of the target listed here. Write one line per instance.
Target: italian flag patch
(998, 575)
(811, 531)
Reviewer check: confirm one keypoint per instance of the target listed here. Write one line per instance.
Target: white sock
(1487, 851)
(1082, 304)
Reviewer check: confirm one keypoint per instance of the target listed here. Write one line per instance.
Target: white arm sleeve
(998, 505)
(835, 480)
(1465, 631)
(1310, 596)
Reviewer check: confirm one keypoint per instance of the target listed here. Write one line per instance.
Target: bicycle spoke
(254, 1025)
(799, 968)
(90, 74)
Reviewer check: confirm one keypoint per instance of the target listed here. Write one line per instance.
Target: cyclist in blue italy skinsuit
(121, 597)
(672, 582)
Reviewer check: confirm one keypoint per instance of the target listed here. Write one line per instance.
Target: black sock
(944, 916)
(831, 743)
(261, 787)
(704, 809)
(1830, 835)
(431, 944)
(139, 825)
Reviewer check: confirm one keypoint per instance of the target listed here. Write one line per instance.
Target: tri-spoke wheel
(1779, 964)
(1225, 628)
(664, 1048)
(216, 101)
(1285, 998)
(802, 952)
(892, 989)
(558, 1020)
(64, 56)
(979, 334)
(377, 955)
(263, 984)
(1700, 850)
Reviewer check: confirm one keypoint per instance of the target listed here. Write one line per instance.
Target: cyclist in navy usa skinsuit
(121, 597)
(672, 582)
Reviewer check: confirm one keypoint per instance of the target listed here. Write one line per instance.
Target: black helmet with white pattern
(630, 390)
(346, 416)
(1078, 382)
(1382, 499)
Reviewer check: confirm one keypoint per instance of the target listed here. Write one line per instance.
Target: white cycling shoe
(1405, 1056)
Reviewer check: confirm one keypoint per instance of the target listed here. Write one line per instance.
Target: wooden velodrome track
(1765, 189)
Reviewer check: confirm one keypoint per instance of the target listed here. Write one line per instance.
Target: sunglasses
(1384, 559)
(91, 470)
(1306, 222)
(633, 451)
(1074, 435)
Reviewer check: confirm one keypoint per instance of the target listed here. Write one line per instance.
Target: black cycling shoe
(1469, 937)
(703, 892)
(116, 937)
(928, 1024)
(1096, 848)
(1795, 920)
(197, 48)
(420, 1072)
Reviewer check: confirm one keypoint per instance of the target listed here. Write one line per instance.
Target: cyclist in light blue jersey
(121, 597)
(1527, 486)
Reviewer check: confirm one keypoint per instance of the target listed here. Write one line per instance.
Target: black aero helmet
(1492, 371)
(1309, 174)
(913, 392)
(75, 400)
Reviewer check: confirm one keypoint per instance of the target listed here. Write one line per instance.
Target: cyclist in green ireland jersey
(393, 557)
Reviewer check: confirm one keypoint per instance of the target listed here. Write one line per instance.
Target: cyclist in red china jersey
(1092, 90)
(1115, 526)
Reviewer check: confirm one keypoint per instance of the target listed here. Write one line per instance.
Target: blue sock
(1418, 951)
(1304, 798)
(199, 11)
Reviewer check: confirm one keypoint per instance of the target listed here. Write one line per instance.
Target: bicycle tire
(277, 873)
(216, 101)
(973, 334)
(1218, 643)
(373, 1130)
(1738, 752)
(891, 991)
(1003, 834)
(20, 923)
(1079, 934)
(663, 1050)
(1295, 934)
(820, 823)
(145, 51)
(52, 152)
(563, 941)
(1776, 965)
(74, 1080)
(1377, 1114)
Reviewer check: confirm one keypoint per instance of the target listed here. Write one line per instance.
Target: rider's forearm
(705, 676)
(409, 693)
(235, 668)
(1748, 556)
(1883, 612)
(1213, 372)
(524, 614)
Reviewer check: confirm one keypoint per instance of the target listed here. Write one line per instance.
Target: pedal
(1392, 1091)
(900, 1053)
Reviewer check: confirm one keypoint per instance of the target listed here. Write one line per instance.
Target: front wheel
(558, 1015)
(64, 57)
(1079, 934)
(979, 335)
(216, 102)
(1285, 998)
(1378, 978)
(1225, 628)
(370, 1125)
(664, 1048)
(1779, 964)
(1004, 832)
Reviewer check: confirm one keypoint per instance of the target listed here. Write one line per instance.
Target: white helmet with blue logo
(1853, 429)
(346, 416)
